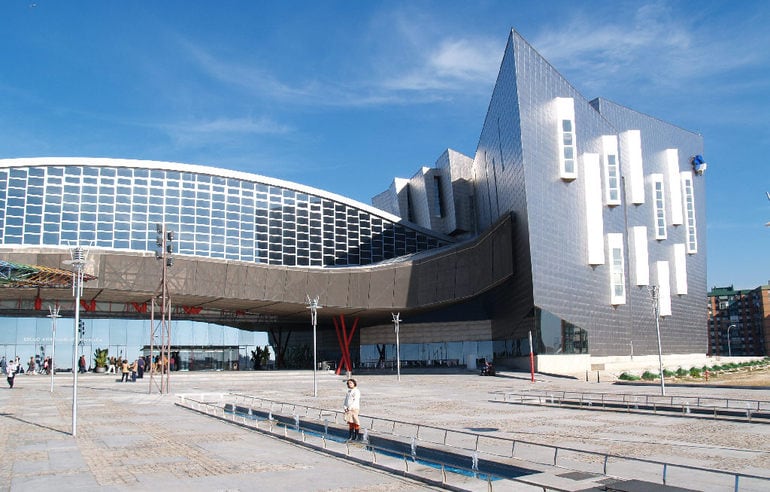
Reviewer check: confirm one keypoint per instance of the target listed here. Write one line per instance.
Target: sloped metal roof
(21, 275)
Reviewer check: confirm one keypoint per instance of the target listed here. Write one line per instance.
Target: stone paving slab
(132, 438)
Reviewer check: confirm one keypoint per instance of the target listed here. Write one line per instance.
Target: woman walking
(351, 406)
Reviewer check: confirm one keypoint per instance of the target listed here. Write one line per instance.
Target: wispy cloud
(453, 65)
(656, 44)
(202, 132)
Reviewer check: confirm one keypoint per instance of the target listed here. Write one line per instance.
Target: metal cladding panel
(381, 290)
(464, 276)
(128, 273)
(275, 284)
(359, 285)
(296, 286)
(516, 171)
(404, 281)
(206, 281)
(445, 277)
(237, 280)
(256, 282)
(333, 287)
(685, 330)
(425, 274)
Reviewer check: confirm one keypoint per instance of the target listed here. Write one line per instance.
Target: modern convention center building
(573, 222)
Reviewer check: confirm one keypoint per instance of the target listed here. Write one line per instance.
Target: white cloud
(222, 129)
(655, 44)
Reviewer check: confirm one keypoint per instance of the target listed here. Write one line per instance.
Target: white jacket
(352, 399)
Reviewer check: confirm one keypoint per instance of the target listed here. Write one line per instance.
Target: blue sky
(347, 95)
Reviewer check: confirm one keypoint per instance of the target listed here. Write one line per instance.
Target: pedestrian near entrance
(351, 407)
(11, 368)
(140, 367)
(124, 371)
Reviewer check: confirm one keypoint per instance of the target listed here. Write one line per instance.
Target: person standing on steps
(352, 406)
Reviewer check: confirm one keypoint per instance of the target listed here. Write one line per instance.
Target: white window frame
(617, 269)
(566, 138)
(688, 201)
(659, 206)
(611, 162)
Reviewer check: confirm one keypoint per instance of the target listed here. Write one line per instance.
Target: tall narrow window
(611, 170)
(438, 202)
(659, 206)
(688, 194)
(617, 269)
(565, 117)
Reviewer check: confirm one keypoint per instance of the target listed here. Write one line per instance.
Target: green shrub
(668, 373)
(628, 377)
(716, 368)
(681, 372)
(649, 376)
(695, 372)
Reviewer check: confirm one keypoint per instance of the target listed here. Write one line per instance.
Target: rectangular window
(438, 201)
(617, 269)
(658, 194)
(611, 170)
(688, 195)
(565, 117)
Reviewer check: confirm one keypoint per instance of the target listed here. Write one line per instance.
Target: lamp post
(54, 310)
(78, 261)
(164, 253)
(655, 291)
(397, 323)
(729, 349)
(313, 306)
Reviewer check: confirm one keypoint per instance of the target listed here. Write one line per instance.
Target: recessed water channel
(442, 459)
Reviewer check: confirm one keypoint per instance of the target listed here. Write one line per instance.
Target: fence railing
(498, 448)
(696, 406)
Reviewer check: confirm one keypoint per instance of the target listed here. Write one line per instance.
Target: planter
(100, 369)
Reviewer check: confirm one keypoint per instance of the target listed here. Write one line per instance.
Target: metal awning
(21, 275)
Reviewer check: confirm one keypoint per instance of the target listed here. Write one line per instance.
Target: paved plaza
(129, 438)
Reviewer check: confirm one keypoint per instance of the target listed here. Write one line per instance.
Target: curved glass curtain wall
(213, 216)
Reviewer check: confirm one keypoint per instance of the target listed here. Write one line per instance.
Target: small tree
(100, 357)
(260, 357)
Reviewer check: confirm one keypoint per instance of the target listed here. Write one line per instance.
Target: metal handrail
(728, 407)
(553, 452)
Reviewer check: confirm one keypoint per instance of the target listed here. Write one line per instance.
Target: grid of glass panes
(213, 216)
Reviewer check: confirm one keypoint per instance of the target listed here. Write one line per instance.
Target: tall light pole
(314, 307)
(729, 349)
(164, 253)
(655, 291)
(78, 261)
(54, 310)
(397, 324)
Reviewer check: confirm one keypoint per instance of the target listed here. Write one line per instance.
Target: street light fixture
(397, 323)
(54, 310)
(314, 307)
(655, 291)
(78, 261)
(729, 348)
